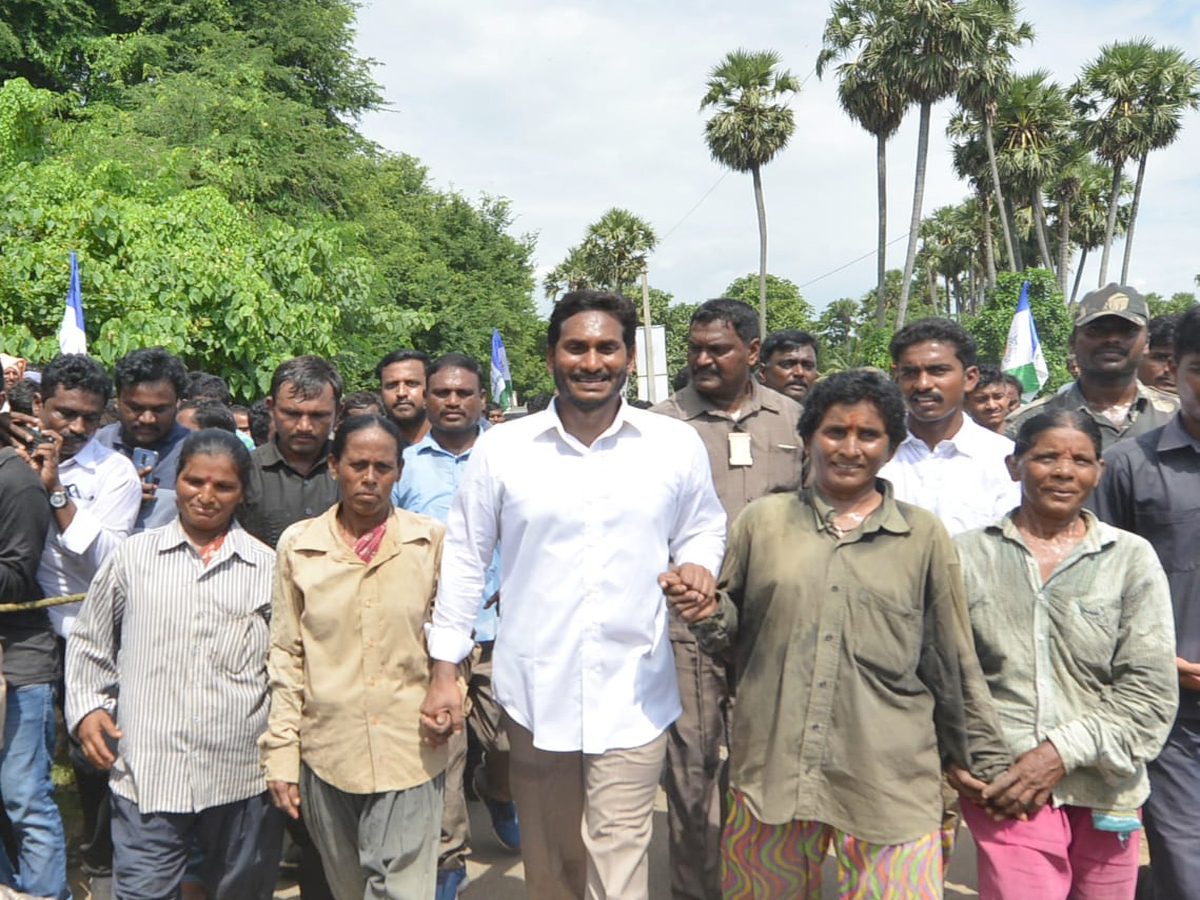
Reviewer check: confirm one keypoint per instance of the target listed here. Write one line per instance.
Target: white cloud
(571, 107)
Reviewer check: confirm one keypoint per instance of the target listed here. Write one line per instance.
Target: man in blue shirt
(432, 469)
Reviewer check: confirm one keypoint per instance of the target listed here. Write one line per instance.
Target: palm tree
(875, 107)
(616, 247)
(1034, 121)
(750, 125)
(980, 87)
(970, 158)
(921, 48)
(1109, 95)
(1171, 89)
(569, 275)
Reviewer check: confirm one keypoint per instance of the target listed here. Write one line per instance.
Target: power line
(853, 261)
(663, 239)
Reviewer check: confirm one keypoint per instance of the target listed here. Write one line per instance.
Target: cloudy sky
(569, 107)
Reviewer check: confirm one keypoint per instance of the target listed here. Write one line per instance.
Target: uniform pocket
(884, 636)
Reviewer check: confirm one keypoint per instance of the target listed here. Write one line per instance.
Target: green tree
(1180, 301)
(786, 306)
(615, 249)
(750, 125)
(870, 101)
(1051, 316)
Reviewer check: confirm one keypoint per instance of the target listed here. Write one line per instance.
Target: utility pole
(651, 384)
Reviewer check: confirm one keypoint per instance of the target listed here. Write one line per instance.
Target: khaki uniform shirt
(1150, 409)
(776, 451)
(858, 673)
(347, 664)
(1085, 659)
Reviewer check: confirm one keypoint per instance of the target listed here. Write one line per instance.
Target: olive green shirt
(1085, 659)
(1151, 408)
(858, 673)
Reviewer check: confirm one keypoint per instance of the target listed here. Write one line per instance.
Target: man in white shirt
(591, 501)
(949, 464)
(95, 495)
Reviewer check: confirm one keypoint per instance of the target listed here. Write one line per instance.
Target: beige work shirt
(348, 665)
(776, 451)
(858, 671)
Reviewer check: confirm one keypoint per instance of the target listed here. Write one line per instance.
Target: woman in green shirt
(1074, 630)
(843, 611)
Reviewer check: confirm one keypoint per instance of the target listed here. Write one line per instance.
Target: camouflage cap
(1112, 300)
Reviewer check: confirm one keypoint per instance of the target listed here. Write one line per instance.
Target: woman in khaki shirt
(353, 590)
(843, 611)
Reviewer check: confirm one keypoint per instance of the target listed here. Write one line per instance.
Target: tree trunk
(1133, 211)
(1078, 274)
(989, 255)
(931, 280)
(1064, 244)
(1039, 227)
(999, 192)
(881, 252)
(762, 252)
(914, 223)
(1018, 254)
(1111, 227)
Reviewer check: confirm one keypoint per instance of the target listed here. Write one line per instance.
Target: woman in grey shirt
(1073, 628)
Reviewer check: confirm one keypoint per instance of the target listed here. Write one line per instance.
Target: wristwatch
(58, 499)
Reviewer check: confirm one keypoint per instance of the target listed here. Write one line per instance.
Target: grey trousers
(240, 844)
(375, 846)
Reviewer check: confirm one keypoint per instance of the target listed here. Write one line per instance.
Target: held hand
(45, 458)
(148, 486)
(286, 796)
(970, 789)
(690, 590)
(1189, 674)
(93, 733)
(1027, 784)
(441, 711)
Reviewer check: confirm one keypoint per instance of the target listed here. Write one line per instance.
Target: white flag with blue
(71, 336)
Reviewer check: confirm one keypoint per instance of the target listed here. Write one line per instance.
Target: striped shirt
(177, 652)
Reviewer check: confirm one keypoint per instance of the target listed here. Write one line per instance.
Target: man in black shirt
(32, 666)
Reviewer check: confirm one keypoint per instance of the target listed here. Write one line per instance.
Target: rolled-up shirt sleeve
(1131, 720)
(280, 744)
(472, 532)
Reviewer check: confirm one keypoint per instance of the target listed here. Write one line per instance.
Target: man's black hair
(307, 376)
(356, 401)
(785, 340)
(402, 355)
(989, 374)
(945, 331)
(535, 403)
(1187, 333)
(681, 379)
(742, 317)
(454, 360)
(148, 365)
(210, 413)
(260, 422)
(76, 371)
(204, 384)
(851, 387)
(22, 394)
(1160, 332)
(573, 302)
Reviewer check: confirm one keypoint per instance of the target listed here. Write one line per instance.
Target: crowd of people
(837, 615)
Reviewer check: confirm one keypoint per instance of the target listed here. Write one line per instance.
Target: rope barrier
(41, 604)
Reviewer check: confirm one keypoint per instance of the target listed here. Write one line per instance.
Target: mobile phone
(143, 457)
(35, 438)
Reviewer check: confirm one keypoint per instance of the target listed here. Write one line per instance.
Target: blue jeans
(28, 794)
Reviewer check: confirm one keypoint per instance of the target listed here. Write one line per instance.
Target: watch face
(58, 499)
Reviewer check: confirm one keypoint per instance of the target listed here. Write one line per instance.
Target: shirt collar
(271, 458)
(177, 433)
(403, 527)
(1143, 397)
(626, 416)
(886, 517)
(1175, 437)
(428, 445)
(693, 404)
(88, 456)
(237, 540)
(1097, 537)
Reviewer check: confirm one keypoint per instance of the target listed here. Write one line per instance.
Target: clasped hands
(1023, 788)
(691, 590)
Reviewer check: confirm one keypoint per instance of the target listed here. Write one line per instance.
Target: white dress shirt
(582, 659)
(963, 480)
(107, 494)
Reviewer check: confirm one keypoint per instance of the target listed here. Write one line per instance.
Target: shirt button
(828, 637)
(371, 642)
(834, 588)
(375, 720)
(308, 511)
(816, 728)
(820, 684)
(195, 718)
(372, 682)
